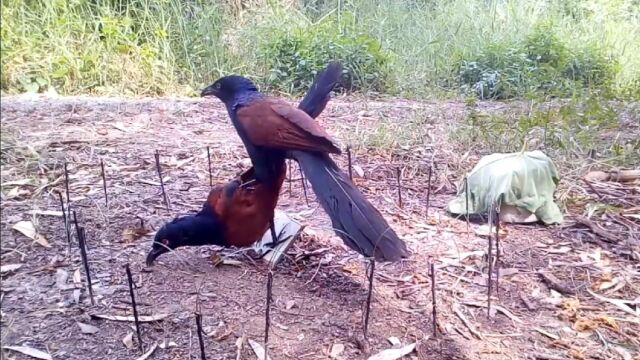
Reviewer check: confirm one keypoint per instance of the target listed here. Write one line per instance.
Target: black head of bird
(229, 88)
(190, 230)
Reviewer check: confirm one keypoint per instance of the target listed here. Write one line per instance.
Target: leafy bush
(541, 63)
(106, 46)
(293, 56)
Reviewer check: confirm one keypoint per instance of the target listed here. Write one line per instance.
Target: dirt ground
(587, 306)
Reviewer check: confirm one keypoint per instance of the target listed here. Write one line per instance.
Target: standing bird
(239, 212)
(272, 130)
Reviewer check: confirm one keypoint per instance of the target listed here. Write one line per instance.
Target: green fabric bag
(524, 179)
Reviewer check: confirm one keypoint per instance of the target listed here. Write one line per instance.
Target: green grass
(412, 48)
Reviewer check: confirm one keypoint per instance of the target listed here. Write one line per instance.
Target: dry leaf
(29, 230)
(17, 182)
(621, 304)
(45, 212)
(393, 354)
(130, 235)
(570, 309)
(576, 354)
(17, 192)
(258, 349)
(216, 259)
(547, 334)
(584, 324)
(148, 353)
(359, 172)
(290, 304)
(87, 329)
(336, 350)
(30, 352)
(9, 267)
(61, 278)
(76, 296)
(170, 344)
(128, 340)
(623, 352)
(485, 230)
(76, 277)
(141, 318)
(559, 251)
(119, 126)
(394, 341)
(353, 268)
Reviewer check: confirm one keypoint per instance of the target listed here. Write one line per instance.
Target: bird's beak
(209, 91)
(153, 254)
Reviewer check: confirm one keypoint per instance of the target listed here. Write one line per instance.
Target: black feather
(355, 220)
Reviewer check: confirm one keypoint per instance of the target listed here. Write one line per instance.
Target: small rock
(358, 171)
(290, 304)
(87, 329)
(128, 340)
(61, 278)
(336, 350)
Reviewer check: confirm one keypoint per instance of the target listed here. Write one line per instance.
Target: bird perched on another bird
(237, 214)
(272, 130)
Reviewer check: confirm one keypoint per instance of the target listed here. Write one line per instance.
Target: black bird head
(228, 87)
(190, 230)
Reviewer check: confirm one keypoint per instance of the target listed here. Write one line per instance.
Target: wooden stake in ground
(497, 217)
(135, 307)
(85, 261)
(433, 301)
(104, 183)
(75, 222)
(490, 260)
(290, 177)
(428, 190)
(65, 219)
(66, 186)
(267, 312)
(209, 161)
(398, 175)
(466, 199)
(304, 186)
(200, 331)
(372, 268)
(164, 194)
(349, 160)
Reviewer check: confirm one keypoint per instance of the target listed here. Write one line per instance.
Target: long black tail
(320, 91)
(355, 220)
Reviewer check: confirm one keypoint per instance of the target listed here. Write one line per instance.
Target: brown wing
(278, 125)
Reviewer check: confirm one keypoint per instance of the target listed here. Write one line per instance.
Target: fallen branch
(555, 283)
(498, 308)
(597, 229)
(466, 322)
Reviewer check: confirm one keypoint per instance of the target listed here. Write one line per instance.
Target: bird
(272, 131)
(237, 214)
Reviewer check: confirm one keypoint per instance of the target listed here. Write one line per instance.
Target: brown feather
(278, 125)
(248, 211)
